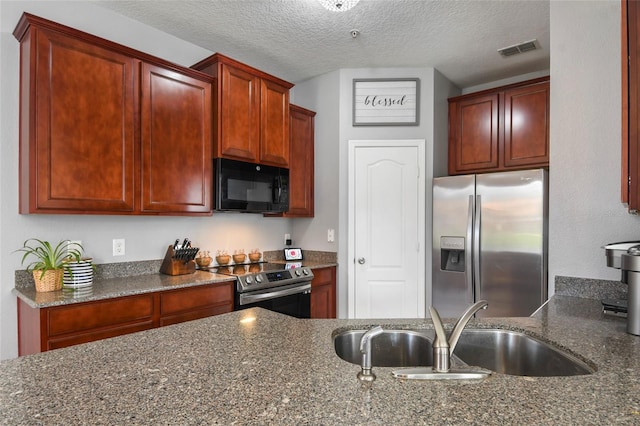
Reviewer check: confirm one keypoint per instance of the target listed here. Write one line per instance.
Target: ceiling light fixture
(338, 5)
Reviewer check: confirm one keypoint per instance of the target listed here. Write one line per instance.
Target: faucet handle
(441, 335)
(463, 320)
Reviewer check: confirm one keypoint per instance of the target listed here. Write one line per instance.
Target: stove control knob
(248, 280)
(258, 279)
(306, 271)
(297, 272)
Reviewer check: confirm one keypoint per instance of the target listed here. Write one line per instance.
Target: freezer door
(452, 288)
(512, 268)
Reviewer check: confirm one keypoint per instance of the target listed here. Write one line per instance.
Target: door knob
(361, 261)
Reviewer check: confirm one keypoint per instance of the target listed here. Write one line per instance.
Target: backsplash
(588, 288)
(308, 255)
(24, 279)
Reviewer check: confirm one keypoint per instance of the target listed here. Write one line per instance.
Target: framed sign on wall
(386, 102)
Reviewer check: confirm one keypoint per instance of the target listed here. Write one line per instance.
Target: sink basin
(517, 354)
(392, 348)
(501, 351)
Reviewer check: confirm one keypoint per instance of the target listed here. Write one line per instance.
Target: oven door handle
(245, 299)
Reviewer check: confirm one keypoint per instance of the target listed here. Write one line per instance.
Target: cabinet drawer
(91, 336)
(94, 315)
(193, 298)
(196, 314)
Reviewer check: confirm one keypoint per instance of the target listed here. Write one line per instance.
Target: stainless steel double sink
(502, 351)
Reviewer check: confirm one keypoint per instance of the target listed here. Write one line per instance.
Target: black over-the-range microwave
(250, 188)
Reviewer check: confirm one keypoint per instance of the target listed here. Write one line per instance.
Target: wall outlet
(331, 235)
(118, 247)
(287, 239)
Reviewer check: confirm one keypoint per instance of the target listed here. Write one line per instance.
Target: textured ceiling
(299, 39)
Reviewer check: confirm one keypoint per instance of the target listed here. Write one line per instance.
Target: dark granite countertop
(274, 369)
(107, 288)
(112, 284)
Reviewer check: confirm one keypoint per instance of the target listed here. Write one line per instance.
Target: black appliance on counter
(250, 188)
(283, 288)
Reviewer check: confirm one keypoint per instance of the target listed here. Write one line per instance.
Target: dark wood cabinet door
(630, 158)
(274, 124)
(43, 329)
(526, 126)
(251, 112)
(505, 128)
(195, 302)
(77, 134)
(239, 115)
(176, 142)
(474, 133)
(301, 168)
(56, 327)
(323, 302)
(323, 293)
(86, 322)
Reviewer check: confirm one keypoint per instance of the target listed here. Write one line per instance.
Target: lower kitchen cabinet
(43, 329)
(323, 293)
(195, 302)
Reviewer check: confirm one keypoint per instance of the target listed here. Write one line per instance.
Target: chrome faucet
(366, 375)
(443, 349)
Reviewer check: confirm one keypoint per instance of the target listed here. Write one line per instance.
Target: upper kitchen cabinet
(630, 176)
(301, 168)
(506, 128)
(251, 112)
(301, 171)
(105, 129)
(77, 123)
(176, 142)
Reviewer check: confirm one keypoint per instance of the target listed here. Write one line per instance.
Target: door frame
(424, 176)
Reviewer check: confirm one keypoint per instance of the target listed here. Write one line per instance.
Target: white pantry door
(387, 230)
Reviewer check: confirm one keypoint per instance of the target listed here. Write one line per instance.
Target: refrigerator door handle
(476, 248)
(469, 249)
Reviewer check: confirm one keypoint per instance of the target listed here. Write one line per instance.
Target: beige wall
(585, 209)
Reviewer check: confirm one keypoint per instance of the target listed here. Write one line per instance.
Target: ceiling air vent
(519, 48)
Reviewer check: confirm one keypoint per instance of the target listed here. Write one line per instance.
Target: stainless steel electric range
(283, 288)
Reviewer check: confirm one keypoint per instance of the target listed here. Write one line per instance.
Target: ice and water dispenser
(626, 257)
(452, 256)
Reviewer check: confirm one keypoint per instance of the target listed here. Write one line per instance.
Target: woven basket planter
(51, 281)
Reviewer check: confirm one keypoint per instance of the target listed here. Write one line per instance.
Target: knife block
(171, 266)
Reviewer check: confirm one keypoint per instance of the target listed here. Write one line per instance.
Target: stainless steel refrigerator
(490, 242)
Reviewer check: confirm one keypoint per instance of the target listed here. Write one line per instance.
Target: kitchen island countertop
(259, 367)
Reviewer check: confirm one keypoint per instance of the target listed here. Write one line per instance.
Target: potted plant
(50, 262)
